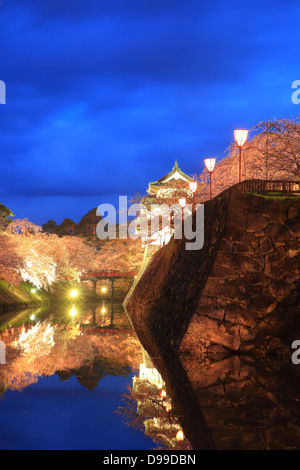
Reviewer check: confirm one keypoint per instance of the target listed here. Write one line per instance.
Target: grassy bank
(12, 296)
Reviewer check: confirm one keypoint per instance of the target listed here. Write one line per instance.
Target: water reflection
(147, 406)
(246, 405)
(88, 342)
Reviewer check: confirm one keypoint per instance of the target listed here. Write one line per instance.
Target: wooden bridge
(106, 331)
(111, 275)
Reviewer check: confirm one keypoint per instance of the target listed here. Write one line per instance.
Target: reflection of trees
(147, 407)
(90, 375)
(46, 347)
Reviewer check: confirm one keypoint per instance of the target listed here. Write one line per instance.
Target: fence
(265, 186)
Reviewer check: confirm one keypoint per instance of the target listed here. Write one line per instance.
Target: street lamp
(193, 188)
(182, 202)
(210, 165)
(240, 137)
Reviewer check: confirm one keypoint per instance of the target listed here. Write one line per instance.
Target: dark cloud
(102, 96)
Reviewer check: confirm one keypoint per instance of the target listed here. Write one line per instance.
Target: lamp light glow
(182, 202)
(73, 293)
(210, 164)
(180, 435)
(103, 290)
(240, 136)
(193, 186)
(163, 393)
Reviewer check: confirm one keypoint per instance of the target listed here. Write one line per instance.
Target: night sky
(103, 96)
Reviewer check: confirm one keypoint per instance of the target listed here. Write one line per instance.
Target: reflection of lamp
(73, 293)
(210, 165)
(193, 188)
(240, 137)
(180, 435)
(73, 312)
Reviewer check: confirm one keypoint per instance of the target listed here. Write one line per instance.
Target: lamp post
(210, 165)
(193, 188)
(182, 202)
(240, 137)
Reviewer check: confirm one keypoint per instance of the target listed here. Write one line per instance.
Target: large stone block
(294, 227)
(240, 315)
(240, 262)
(208, 329)
(264, 303)
(256, 222)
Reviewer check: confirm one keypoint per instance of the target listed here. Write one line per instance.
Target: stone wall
(250, 302)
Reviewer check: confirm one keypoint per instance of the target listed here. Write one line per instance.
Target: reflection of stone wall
(248, 407)
(249, 301)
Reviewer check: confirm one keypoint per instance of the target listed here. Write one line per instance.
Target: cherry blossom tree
(273, 153)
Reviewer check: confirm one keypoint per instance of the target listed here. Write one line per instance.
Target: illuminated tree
(273, 154)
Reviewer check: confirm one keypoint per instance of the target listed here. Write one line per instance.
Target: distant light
(163, 393)
(103, 310)
(73, 293)
(159, 386)
(182, 202)
(73, 312)
(210, 164)
(193, 186)
(240, 137)
(33, 290)
(103, 289)
(180, 435)
(32, 317)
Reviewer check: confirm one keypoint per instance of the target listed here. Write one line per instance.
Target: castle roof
(175, 174)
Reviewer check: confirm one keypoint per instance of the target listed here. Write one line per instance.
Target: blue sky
(103, 96)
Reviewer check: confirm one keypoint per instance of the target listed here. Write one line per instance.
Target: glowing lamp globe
(179, 435)
(73, 293)
(210, 164)
(103, 289)
(182, 202)
(193, 186)
(240, 137)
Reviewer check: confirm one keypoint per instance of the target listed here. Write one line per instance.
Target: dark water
(64, 379)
